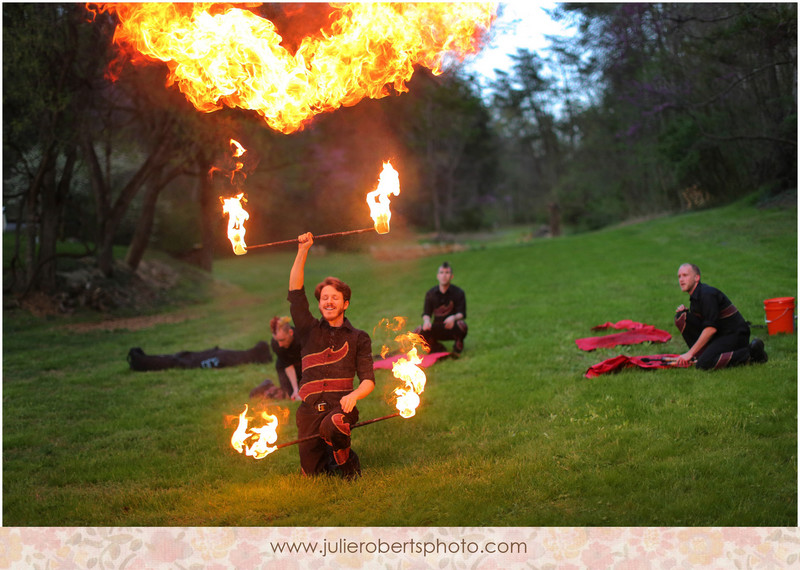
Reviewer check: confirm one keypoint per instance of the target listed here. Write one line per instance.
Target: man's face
(445, 275)
(331, 303)
(284, 338)
(687, 278)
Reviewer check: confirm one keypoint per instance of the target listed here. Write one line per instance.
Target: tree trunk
(31, 225)
(211, 209)
(105, 250)
(144, 227)
(53, 198)
(32, 273)
(108, 216)
(555, 219)
(101, 192)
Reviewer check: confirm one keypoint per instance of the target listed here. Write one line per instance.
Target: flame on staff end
(237, 216)
(262, 437)
(407, 370)
(378, 199)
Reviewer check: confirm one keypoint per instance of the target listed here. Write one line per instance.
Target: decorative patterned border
(440, 548)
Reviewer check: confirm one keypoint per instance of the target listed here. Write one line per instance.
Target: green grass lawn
(510, 434)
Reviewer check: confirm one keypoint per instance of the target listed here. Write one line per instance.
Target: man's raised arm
(296, 275)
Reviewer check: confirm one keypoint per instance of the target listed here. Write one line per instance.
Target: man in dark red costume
(333, 352)
(714, 330)
(444, 312)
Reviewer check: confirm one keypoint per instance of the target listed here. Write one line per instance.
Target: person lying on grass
(333, 351)
(714, 330)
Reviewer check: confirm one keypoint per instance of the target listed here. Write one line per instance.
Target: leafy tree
(702, 96)
(534, 153)
(445, 126)
(143, 136)
(49, 62)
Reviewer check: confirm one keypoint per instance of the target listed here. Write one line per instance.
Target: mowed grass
(510, 434)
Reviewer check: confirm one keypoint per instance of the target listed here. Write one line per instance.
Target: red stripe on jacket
(327, 356)
(327, 385)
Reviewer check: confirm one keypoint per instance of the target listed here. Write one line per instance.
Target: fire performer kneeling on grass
(714, 330)
(333, 352)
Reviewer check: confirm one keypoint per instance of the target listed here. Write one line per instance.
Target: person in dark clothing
(444, 313)
(714, 330)
(333, 352)
(288, 363)
(211, 358)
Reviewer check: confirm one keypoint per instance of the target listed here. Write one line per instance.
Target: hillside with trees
(649, 108)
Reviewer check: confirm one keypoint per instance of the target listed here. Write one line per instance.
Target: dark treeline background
(649, 108)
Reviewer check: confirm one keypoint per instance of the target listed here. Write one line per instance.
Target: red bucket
(780, 314)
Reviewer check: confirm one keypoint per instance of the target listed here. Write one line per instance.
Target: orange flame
(263, 437)
(378, 199)
(390, 327)
(237, 153)
(222, 55)
(240, 150)
(237, 216)
(407, 370)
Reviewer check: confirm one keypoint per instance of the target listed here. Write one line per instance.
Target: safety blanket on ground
(427, 360)
(637, 333)
(621, 362)
(212, 358)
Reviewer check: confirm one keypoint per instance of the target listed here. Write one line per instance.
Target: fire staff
(333, 352)
(714, 330)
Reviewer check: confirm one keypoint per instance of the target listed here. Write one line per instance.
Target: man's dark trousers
(721, 351)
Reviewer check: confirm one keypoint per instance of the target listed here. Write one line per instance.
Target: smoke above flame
(219, 55)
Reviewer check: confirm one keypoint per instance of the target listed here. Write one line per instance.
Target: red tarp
(427, 360)
(621, 362)
(637, 334)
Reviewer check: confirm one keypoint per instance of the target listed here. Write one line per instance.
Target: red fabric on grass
(638, 333)
(622, 362)
(620, 325)
(427, 360)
